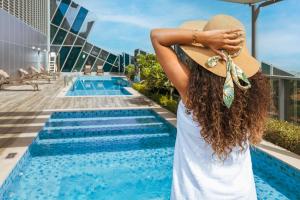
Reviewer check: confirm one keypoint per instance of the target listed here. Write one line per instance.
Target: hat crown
(220, 22)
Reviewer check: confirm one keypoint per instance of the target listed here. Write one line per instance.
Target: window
(111, 58)
(87, 26)
(116, 63)
(95, 51)
(79, 41)
(126, 59)
(53, 30)
(70, 16)
(53, 6)
(90, 60)
(97, 63)
(71, 59)
(107, 67)
(63, 55)
(103, 54)
(61, 11)
(70, 39)
(79, 20)
(54, 48)
(83, 56)
(60, 36)
(87, 47)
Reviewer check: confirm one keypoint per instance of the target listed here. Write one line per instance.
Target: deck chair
(5, 79)
(39, 75)
(87, 70)
(99, 70)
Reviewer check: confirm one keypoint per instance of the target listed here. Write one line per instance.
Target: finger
(220, 53)
(231, 47)
(234, 42)
(234, 35)
(233, 30)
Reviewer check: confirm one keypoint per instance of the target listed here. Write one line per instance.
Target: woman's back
(228, 96)
(199, 174)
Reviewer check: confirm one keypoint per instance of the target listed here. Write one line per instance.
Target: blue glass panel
(79, 41)
(87, 47)
(90, 60)
(71, 59)
(114, 69)
(79, 20)
(53, 30)
(63, 54)
(70, 39)
(83, 56)
(60, 36)
(61, 11)
(126, 59)
(116, 63)
(70, 16)
(99, 62)
(103, 54)
(111, 58)
(95, 51)
(53, 6)
(107, 67)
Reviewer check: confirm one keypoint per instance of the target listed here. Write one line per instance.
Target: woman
(224, 105)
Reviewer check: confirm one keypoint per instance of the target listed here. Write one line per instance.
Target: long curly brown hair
(223, 128)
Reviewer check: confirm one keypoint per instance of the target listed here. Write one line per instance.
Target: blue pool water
(98, 86)
(121, 154)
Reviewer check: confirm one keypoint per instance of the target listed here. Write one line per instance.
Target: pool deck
(23, 113)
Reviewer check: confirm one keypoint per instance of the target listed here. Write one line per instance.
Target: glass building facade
(69, 30)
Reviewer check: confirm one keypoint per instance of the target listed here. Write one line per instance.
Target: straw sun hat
(201, 54)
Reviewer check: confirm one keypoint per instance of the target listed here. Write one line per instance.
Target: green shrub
(130, 72)
(140, 87)
(163, 100)
(168, 103)
(284, 134)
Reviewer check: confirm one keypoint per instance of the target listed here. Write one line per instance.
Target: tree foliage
(152, 74)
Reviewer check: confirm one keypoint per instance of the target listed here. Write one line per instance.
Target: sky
(124, 25)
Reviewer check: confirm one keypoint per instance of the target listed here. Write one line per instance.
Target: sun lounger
(5, 79)
(87, 70)
(99, 70)
(39, 75)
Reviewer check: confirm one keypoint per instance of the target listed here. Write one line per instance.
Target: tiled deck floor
(23, 113)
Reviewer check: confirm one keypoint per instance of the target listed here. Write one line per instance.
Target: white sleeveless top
(197, 174)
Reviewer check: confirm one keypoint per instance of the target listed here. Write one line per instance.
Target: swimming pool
(98, 86)
(114, 154)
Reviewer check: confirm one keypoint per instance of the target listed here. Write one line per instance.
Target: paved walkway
(23, 113)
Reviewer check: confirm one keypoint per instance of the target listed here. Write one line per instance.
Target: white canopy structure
(245, 1)
(255, 7)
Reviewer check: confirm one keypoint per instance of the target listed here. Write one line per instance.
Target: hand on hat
(217, 40)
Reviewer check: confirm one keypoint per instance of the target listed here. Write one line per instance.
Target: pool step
(105, 131)
(107, 138)
(100, 121)
(101, 144)
(99, 118)
(102, 126)
(103, 113)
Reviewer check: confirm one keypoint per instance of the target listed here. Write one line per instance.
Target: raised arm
(176, 71)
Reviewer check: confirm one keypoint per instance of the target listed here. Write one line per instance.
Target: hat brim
(200, 54)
